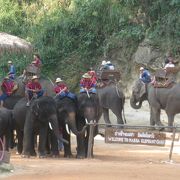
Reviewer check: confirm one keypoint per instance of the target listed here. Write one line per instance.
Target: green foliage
(20, 60)
(71, 35)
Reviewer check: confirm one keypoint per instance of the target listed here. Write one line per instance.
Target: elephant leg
(49, 142)
(34, 144)
(12, 140)
(42, 141)
(106, 116)
(27, 142)
(20, 141)
(81, 142)
(67, 147)
(170, 120)
(54, 144)
(156, 115)
(152, 120)
(87, 141)
(118, 112)
(7, 141)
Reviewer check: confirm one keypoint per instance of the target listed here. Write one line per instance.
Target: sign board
(115, 135)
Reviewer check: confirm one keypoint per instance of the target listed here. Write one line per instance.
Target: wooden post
(90, 140)
(172, 144)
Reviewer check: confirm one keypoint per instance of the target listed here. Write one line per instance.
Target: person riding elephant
(37, 61)
(12, 71)
(34, 120)
(158, 98)
(87, 84)
(93, 75)
(144, 75)
(7, 89)
(33, 89)
(89, 110)
(6, 126)
(61, 90)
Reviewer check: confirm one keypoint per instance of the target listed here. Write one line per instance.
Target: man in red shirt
(62, 90)
(92, 73)
(7, 87)
(87, 84)
(33, 89)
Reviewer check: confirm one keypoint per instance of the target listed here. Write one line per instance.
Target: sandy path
(112, 161)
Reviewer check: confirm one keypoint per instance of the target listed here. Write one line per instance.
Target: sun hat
(58, 80)
(6, 77)
(103, 63)
(34, 77)
(86, 75)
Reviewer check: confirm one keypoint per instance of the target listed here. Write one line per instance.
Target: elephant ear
(142, 90)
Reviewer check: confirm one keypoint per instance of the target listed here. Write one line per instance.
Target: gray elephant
(167, 99)
(89, 110)
(6, 125)
(35, 120)
(67, 118)
(111, 97)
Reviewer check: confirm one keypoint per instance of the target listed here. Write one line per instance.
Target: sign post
(115, 135)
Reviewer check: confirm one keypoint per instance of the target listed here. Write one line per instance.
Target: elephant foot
(151, 128)
(42, 155)
(169, 130)
(33, 154)
(68, 156)
(81, 156)
(25, 156)
(18, 153)
(55, 156)
(108, 126)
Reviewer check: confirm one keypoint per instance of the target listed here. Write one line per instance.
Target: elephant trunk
(53, 124)
(72, 124)
(134, 104)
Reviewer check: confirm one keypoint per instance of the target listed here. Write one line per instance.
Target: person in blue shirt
(145, 75)
(12, 70)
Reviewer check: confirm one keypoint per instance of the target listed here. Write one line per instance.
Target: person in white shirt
(170, 64)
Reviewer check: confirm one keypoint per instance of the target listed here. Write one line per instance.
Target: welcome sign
(115, 135)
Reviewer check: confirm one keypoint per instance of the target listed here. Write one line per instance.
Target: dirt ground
(111, 161)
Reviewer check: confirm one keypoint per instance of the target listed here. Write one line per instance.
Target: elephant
(67, 118)
(111, 97)
(89, 110)
(167, 99)
(6, 125)
(35, 120)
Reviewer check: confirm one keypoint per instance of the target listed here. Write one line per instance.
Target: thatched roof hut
(10, 43)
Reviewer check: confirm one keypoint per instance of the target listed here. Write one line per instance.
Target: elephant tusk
(67, 129)
(50, 126)
(85, 133)
(86, 120)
